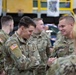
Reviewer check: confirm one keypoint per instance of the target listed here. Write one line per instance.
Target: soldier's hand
(50, 61)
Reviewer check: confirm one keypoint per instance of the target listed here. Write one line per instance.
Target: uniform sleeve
(1, 59)
(53, 68)
(57, 46)
(21, 61)
(63, 66)
(1, 55)
(48, 47)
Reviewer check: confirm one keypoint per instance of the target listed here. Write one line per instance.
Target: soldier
(7, 26)
(64, 44)
(39, 43)
(64, 65)
(18, 57)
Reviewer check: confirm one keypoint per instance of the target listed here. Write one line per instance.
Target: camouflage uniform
(18, 57)
(40, 43)
(63, 66)
(3, 38)
(62, 47)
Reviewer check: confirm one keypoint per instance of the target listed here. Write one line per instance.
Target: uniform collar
(38, 35)
(20, 38)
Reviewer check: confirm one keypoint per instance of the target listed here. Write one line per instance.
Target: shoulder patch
(14, 46)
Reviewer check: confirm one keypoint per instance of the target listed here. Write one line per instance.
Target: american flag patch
(14, 46)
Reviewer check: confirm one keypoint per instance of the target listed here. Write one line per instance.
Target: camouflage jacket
(41, 43)
(19, 56)
(3, 38)
(62, 47)
(63, 66)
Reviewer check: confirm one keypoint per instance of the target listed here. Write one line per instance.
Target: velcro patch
(14, 46)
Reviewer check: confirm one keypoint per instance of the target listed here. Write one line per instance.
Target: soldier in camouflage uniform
(19, 59)
(40, 43)
(7, 27)
(64, 44)
(64, 65)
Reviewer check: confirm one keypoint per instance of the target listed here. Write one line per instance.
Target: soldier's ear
(22, 27)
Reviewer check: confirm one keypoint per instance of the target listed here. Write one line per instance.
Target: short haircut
(26, 22)
(5, 19)
(37, 19)
(69, 19)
